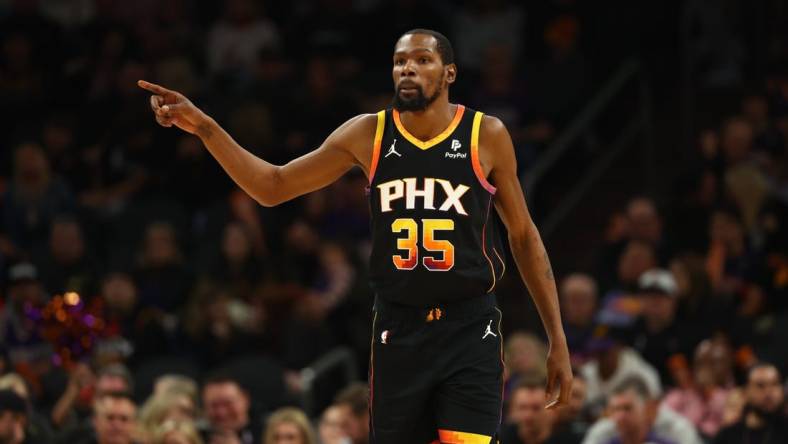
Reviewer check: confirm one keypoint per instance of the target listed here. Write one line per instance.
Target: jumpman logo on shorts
(489, 331)
(392, 150)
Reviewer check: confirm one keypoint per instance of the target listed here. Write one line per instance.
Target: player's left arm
(498, 161)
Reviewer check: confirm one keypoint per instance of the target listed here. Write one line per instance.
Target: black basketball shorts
(436, 374)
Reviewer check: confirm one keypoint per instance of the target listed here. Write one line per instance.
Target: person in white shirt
(635, 417)
(611, 364)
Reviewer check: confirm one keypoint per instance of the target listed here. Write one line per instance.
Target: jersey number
(410, 243)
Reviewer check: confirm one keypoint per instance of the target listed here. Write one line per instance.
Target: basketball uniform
(436, 369)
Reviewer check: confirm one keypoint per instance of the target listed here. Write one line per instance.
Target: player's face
(420, 76)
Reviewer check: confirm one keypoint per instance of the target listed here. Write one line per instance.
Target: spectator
(163, 278)
(289, 426)
(578, 293)
(239, 268)
(13, 417)
(114, 420)
(130, 326)
(613, 363)
(170, 406)
(763, 419)
(635, 418)
(33, 198)
(525, 354)
(656, 335)
(37, 429)
(620, 306)
(75, 403)
(353, 401)
(702, 400)
(18, 333)
(228, 411)
(529, 421)
(68, 265)
(331, 428)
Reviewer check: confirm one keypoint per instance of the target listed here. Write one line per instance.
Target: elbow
(268, 194)
(521, 235)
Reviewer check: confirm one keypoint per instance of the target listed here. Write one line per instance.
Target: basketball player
(435, 169)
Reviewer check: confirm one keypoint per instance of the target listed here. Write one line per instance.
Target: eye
(399, 62)
(424, 60)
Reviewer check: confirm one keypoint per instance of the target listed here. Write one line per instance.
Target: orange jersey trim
(477, 166)
(453, 437)
(376, 147)
(484, 246)
(435, 140)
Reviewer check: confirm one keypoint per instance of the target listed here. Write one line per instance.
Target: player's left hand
(559, 374)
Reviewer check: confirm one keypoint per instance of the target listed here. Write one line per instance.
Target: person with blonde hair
(176, 432)
(289, 426)
(164, 407)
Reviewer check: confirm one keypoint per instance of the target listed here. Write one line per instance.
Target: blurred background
(145, 298)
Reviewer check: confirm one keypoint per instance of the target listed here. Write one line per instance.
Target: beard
(419, 102)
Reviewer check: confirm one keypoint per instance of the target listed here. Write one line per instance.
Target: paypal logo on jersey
(455, 145)
(406, 189)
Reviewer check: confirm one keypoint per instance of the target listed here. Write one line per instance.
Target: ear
(451, 73)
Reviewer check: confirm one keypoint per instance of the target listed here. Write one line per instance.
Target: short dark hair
(356, 396)
(118, 371)
(761, 365)
(532, 381)
(222, 377)
(122, 394)
(443, 44)
(634, 384)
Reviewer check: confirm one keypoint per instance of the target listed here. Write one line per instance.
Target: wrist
(206, 128)
(557, 339)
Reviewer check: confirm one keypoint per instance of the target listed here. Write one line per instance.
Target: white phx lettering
(489, 331)
(397, 189)
(392, 150)
(455, 145)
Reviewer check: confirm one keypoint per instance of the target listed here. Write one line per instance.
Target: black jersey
(433, 240)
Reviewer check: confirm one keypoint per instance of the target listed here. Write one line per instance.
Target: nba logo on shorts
(384, 337)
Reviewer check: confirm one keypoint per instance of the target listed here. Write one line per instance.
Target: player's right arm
(267, 183)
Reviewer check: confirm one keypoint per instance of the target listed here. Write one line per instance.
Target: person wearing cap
(656, 334)
(612, 363)
(13, 417)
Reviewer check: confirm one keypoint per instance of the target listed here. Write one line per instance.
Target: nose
(408, 69)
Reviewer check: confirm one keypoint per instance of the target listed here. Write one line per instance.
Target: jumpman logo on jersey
(489, 331)
(392, 150)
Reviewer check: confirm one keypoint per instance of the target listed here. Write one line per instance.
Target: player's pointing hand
(173, 108)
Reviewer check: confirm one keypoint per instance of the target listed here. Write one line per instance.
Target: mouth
(408, 87)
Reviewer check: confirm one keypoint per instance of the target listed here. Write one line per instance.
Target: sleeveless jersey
(433, 240)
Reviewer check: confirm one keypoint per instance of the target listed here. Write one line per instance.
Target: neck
(430, 122)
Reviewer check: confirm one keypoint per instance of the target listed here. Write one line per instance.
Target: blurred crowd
(144, 298)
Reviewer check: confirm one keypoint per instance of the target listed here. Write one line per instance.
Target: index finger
(152, 87)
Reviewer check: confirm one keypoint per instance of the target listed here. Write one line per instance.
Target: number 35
(410, 243)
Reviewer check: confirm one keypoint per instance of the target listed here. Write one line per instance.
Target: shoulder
(357, 132)
(602, 431)
(675, 425)
(492, 128)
